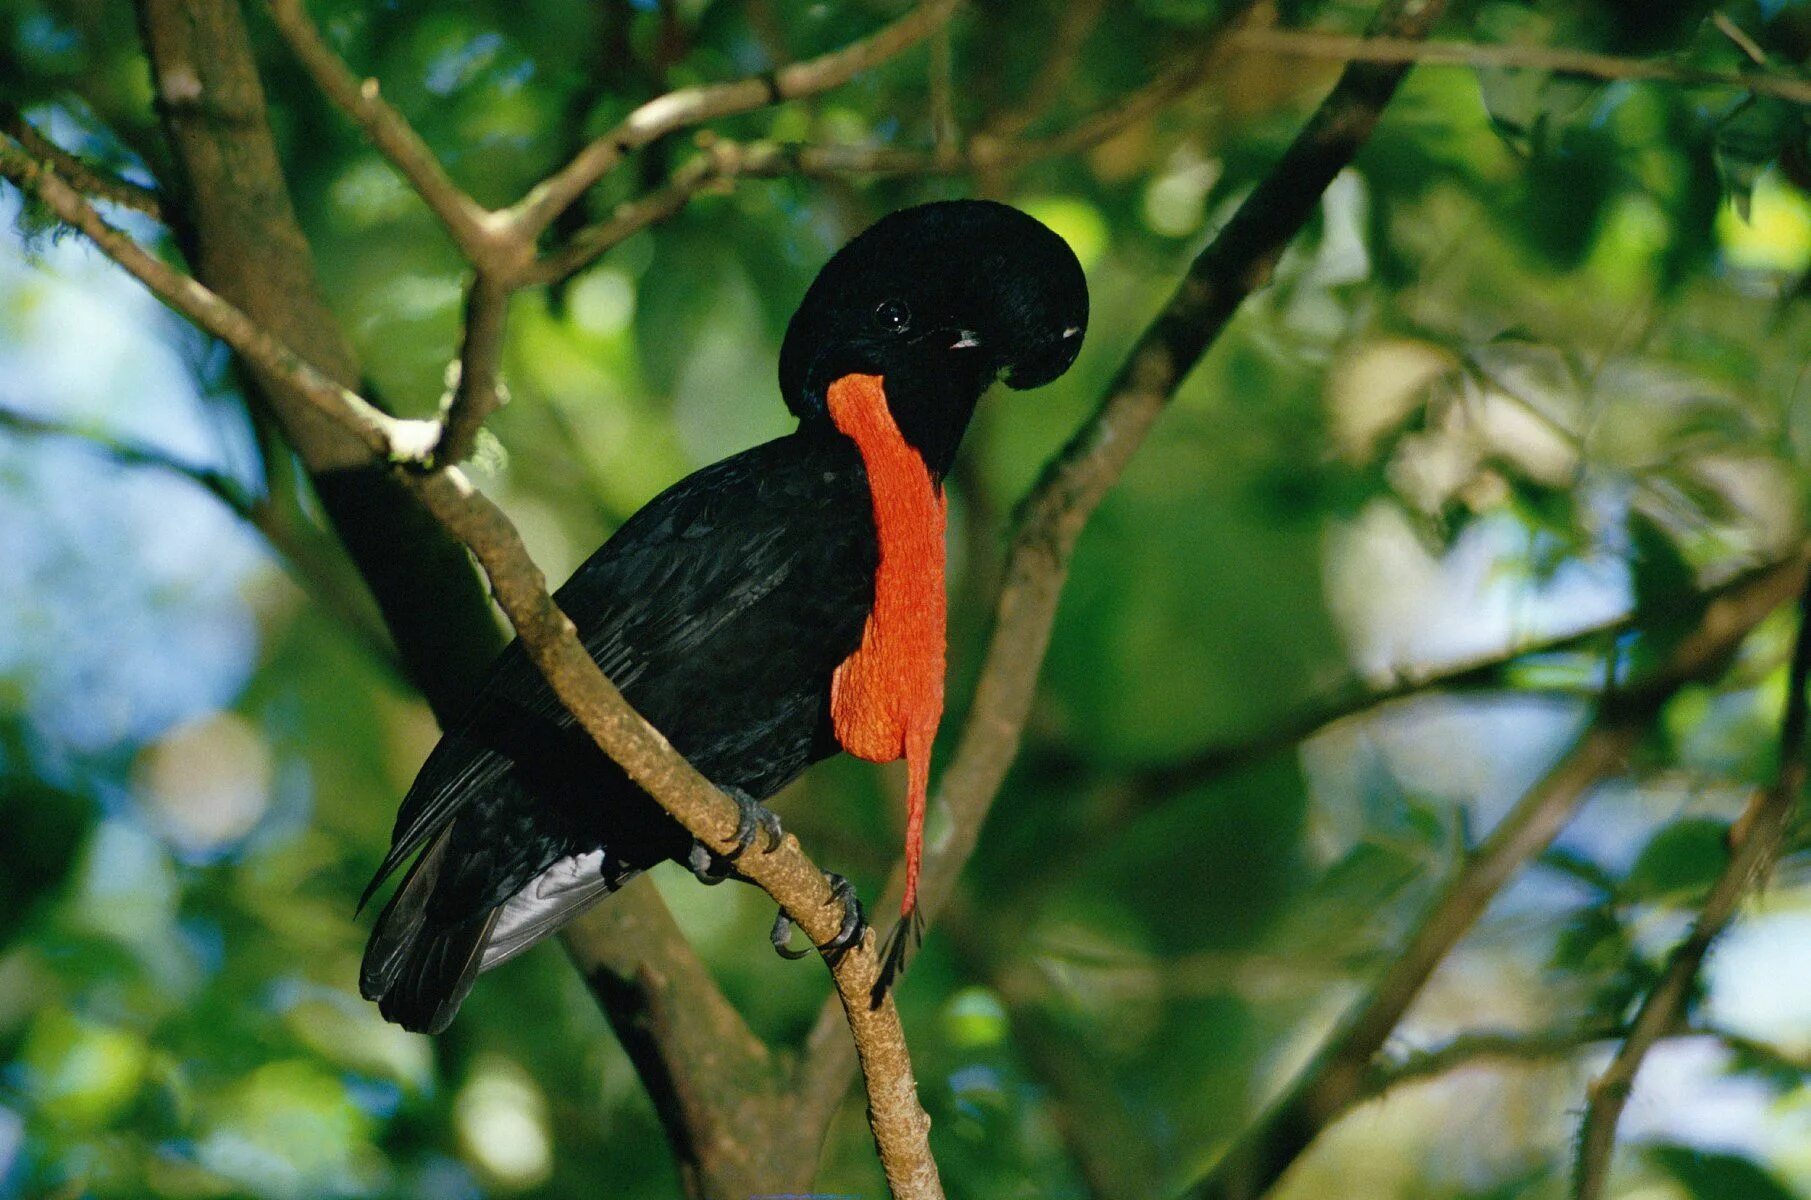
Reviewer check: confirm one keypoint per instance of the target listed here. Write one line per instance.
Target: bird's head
(939, 301)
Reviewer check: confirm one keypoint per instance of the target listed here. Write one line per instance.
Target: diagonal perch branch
(898, 1121)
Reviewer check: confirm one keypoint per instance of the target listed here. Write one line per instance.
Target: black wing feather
(720, 610)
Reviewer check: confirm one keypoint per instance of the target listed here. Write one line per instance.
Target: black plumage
(722, 609)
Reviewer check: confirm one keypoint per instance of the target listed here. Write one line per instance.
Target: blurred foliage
(1541, 358)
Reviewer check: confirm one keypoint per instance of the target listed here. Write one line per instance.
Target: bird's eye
(894, 316)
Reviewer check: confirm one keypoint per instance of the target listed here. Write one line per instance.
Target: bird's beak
(965, 340)
(1047, 362)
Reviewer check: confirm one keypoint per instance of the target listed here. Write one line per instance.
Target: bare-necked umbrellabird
(763, 613)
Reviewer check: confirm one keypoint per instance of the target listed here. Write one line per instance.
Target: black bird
(763, 613)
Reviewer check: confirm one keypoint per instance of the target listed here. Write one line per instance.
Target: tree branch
(1307, 44)
(1465, 1049)
(230, 209)
(1511, 1046)
(988, 150)
(499, 254)
(1075, 21)
(478, 392)
(1755, 841)
(690, 106)
(898, 1121)
(82, 175)
(501, 245)
(305, 562)
(722, 1096)
(1336, 1077)
(382, 435)
(1739, 37)
(1361, 697)
(719, 163)
(464, 218)
(1235, 263)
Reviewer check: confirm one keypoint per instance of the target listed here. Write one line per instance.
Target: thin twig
(1513, 1046)
(304, 562)
(946, 137)
(478, 393)
(81, 174)
(1362, 697)
(1735, 33)
(898, 1121)
(222, 486)
(986, 151)
(694, 105)
(1306, 44)
(720, 162)
(1075, 22)
(1754, 841)
(1465, 1049)
(362, 100)
(1336, 1077)
(1171, 84)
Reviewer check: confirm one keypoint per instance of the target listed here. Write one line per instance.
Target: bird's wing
(744, 583)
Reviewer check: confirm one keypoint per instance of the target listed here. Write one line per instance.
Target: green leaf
(1749, 139)
(1661, 572)
(1709, 1175)
(1569, 185)
(1680, 862)
(1527, 107)
(1593, 940)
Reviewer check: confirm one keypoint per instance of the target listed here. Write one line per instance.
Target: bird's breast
(887, 697)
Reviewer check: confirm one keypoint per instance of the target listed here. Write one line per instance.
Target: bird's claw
(707, 866)
(853, 926)
(752, 817)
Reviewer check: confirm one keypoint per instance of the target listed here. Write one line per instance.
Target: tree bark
(233, 217)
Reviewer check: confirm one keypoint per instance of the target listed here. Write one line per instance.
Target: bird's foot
(707, 866)
(854, 924)
(752, 817)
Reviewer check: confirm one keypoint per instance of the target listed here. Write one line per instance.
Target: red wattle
(887, 698)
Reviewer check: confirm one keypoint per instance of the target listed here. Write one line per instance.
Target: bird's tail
(420, 970)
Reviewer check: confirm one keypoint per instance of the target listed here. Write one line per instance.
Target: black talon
(855, 922)
(751, 817)
(781, 934)
(853, 926)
